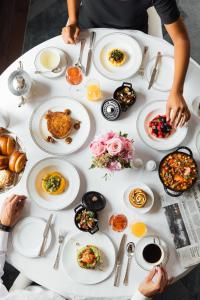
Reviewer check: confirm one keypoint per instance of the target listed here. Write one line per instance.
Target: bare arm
(71, 31)
(176, 105)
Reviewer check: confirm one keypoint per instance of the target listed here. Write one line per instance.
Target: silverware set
(130, 250)
(61, 239)
(45, 235)
(155, 70)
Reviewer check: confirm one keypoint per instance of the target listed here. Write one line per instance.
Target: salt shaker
(150, 166)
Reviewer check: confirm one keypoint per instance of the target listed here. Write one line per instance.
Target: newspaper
(183, 217)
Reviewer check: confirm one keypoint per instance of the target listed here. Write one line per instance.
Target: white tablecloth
(40, 270)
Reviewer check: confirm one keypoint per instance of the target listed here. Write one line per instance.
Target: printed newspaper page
(183, 217)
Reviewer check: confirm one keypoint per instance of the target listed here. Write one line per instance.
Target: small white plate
(147, 113)
(44, 167)
(139, 252)
(127, 44)
(165, 75)
(196, 106)
(69, 257)
(39, 131)
(198, 142)
(27, 236)
(150, 198)
(63, 63)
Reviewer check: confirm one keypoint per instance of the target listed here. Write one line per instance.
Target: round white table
(41, 270)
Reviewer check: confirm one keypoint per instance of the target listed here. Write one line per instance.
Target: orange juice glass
(93, 90)
(74, 75)
(139, 229)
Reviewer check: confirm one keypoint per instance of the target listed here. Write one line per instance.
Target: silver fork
(61, 238)
(142, 69)
(79, 63)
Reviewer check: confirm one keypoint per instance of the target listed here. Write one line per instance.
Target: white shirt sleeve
(3, 249)
(139, 296)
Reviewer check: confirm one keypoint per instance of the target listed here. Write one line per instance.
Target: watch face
(111, 109)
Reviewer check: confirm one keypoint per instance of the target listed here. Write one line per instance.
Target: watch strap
(5, 228)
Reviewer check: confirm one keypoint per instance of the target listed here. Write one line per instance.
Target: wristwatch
(5, 228)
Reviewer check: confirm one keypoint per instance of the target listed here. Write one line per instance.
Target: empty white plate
(148, 112)
(84, 276)
(164, 77)
(44, 167)
(39, 131)
(27, 236)
(150, 198)
(127, 44)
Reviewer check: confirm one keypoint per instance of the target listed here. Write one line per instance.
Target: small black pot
(172, 192)
(91, 201)
(125, 105)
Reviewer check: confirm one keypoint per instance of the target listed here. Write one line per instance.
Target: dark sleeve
(167, 10)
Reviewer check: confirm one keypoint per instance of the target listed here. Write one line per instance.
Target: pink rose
(97, 148)
(114, 146)
(115, 166)
(128, 146)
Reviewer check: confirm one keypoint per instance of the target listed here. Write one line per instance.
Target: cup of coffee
(153, 253)
(49, 58)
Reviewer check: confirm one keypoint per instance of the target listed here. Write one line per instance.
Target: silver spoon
(130, 249)
(54, 70)
(79, 63)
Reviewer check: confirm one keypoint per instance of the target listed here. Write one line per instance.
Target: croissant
(7, 144)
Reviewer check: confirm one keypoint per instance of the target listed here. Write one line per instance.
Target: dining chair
(20, 283)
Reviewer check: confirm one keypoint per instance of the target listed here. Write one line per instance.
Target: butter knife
(89, 57)
(119, 259)
(155, 70)
(45, 235)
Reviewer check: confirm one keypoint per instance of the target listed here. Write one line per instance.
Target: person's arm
(71, 31)
(177, 109)
(155, 283)
(10, 214)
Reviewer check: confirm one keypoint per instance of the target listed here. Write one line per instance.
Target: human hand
(12, 210)
(150, 287)
(177, 111)
(70, 33)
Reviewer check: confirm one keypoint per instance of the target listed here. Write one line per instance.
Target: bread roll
(4, 161)
(6, 178)
(7, 144)
(17, 161)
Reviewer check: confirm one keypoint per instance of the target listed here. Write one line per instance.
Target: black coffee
(152, 253)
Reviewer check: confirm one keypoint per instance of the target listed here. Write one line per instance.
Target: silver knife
(155, 70)
(89, 57)
(45, 235)
(119, 259)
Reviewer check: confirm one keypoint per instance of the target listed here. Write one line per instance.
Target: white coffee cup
(153, 253)
(49, 59)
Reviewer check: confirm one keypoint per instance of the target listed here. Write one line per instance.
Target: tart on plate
(116, 57)
(160, 127)
(138, 198)
(89, 257)
(54, 183)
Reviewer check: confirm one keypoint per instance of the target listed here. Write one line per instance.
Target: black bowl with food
(126, 95)
(86, 218)
(178, 171)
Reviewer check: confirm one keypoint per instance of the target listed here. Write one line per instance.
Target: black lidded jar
(123, 98)
(92, 202)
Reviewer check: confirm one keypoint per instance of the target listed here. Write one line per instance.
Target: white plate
(147, 113)
(150, 198)
(27, 236)
(165, 75)
(69, 260)
(196, 106)
(63, 63)
(39, 131)
(198, 142)
(46, 166)
(124, 42)
(139, 250)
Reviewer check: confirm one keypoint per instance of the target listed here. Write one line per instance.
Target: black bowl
(174, 192)
(125, 105)
(78, 210)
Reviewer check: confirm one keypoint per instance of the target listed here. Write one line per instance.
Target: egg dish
(54, 183)
(116, 57)
(89, 257)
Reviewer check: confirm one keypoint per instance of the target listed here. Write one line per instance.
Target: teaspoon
(130, 249)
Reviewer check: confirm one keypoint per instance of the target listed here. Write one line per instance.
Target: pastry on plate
(7, 144)
(116, 57)
(160, 127)
(89, 257)
(59, 124)
(4, 161)
(138, 198)
(54, 183)
(6, 178)
(17, 161)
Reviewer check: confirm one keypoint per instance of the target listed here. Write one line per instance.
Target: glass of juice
(93, 90)
(74, 75)
(139, 229)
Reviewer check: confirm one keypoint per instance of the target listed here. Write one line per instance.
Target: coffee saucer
(139, 252)
(63, 63)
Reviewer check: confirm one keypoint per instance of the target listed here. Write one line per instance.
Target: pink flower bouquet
(112, 151)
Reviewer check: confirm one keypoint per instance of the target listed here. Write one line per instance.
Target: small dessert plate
(150, 198)
(48, 74)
